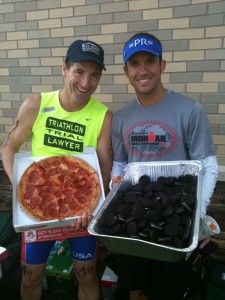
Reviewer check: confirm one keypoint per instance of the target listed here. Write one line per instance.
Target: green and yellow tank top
(57, 131)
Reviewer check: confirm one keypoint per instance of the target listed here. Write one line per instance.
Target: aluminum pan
(137, 247)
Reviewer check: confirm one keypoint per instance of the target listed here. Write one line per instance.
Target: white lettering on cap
(141, 42)
(90, 47)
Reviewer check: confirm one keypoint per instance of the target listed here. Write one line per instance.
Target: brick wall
(34, 36)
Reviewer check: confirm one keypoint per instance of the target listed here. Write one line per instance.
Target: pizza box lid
(138, 247)
(3, 253)
(21, 221)
(109, 278)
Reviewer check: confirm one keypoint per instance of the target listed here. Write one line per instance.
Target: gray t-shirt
(176, 128)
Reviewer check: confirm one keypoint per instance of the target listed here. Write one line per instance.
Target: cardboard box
(50, 234)
(108, 284)
(53, 229)
(138, 247)
(59, 271)
(3, 255)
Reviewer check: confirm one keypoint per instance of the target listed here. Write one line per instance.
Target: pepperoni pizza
(58, 187)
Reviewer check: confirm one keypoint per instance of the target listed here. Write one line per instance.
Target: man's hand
(203, 243)
(116, 179)
(82, 222)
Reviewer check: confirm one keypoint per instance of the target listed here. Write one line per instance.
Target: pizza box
(108, 283)
(144, 248)
(3, 255)
(52, 229)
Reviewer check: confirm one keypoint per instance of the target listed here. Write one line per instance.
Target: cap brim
(131, 53)
(78, 58)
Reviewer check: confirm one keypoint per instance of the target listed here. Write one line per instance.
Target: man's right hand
(116, 179)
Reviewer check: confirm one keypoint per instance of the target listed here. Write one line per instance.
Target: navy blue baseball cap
(141, 43)
(86, 50)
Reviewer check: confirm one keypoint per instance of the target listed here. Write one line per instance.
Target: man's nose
(143, 68)
(86, 81)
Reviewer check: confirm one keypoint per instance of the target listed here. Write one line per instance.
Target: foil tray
(141, 248)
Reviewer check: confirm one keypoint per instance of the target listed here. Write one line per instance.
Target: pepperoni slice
(58, 194)
(51, 213)
(33, 176)
(53, 205)
(67, 192)
(48, 189)
(85, 183)
(52, 172)
(30, 192)
(44, 205)
(73, 205)
(30, 187)
(46, 165)
(86, 192)
(56, 163)
(69, 183)
(35, 202)
(70, 200)
(72, 166)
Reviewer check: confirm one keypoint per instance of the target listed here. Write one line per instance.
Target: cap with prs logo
(86, 50)
(141, 43)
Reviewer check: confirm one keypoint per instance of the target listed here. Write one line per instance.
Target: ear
(64, 70)
(163, 66)
(125, 69)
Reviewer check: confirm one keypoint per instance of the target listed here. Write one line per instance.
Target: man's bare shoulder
(109, 114)
(29, 108)
(32, 103)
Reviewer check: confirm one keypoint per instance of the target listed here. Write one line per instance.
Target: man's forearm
(209, 179)
(7, 160)
(105, 170)
(118, 168)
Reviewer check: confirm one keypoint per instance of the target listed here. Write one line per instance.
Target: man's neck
(70, 105)
(151, 99)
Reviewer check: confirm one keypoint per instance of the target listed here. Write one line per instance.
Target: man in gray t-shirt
(159, 125)
(175, 128)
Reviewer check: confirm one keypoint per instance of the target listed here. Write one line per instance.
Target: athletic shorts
(82, 248)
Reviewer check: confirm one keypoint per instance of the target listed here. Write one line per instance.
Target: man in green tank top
(65, 122)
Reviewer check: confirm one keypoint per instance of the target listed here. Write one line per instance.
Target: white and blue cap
(141, 43)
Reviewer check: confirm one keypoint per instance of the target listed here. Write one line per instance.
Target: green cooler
(59, 271)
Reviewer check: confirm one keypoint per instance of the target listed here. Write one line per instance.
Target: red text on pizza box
(22, 222)
(48, 234)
